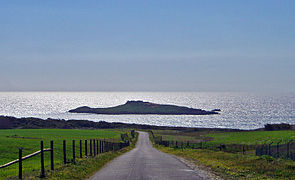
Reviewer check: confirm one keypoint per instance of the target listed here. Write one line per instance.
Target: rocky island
(141, 107)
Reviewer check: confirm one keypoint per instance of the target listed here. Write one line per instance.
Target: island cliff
(140, 107)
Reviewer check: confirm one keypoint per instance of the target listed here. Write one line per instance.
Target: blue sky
(60, 45)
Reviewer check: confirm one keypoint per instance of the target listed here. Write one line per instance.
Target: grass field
(29, 140)
(252, 137)
(234, 165)
(244, 137)
(176, 135)
(237, 166)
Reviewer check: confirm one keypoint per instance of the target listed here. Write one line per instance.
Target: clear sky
(159, 45)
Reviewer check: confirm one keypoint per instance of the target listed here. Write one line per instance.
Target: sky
(145, 45)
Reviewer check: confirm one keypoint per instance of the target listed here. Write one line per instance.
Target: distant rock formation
(140, 107)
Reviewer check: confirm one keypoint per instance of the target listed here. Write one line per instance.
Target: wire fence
(276, 150)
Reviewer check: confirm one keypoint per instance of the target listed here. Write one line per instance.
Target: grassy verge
(237, 166)
(234, 165)
(85, 168)
(29, 140)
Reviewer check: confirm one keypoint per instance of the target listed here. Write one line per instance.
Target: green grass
(237, 166)
(234, 165)
(252, 137)
(244, 137)
(29, 140)
(176, 135)
(85, 168)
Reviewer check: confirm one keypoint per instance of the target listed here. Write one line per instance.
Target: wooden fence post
(42, 161)
(85, 147)
(64, 151)
(243, 149)
(97, 147)
(73, 151)
(20, 163)
(100, 146)
(94, 149)
(278, 149)
(51, 155)
(90, 147)
(105, 146)
(80, 148)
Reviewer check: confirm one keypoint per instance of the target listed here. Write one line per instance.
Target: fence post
(94, 145)
(243, 149)
(74, 155)
(80, 148)
(100, 146)
(106, 146)
(94, 150)
(97, 147)
(42, 161)
(85, 147)
(20, 163)
(51, 155)
(64, 152)
(90, 147)
(278, 149)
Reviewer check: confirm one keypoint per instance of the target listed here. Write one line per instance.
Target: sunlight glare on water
(239, 110)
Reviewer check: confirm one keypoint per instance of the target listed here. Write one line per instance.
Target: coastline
(9, 122)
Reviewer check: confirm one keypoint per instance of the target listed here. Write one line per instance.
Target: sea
(238, 110)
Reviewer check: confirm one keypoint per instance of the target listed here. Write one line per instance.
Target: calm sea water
(239, 110)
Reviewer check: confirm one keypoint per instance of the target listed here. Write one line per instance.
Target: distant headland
(141, 107)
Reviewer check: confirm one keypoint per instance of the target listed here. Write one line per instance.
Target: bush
(273, 127)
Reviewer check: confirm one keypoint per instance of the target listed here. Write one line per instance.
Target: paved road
(145, 162)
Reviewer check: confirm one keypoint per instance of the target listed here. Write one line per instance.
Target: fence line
(278, 150)
(96, 146)
(233, 148)
(23, 158)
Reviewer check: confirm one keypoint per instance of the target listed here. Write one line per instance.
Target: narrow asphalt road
(145, 162)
